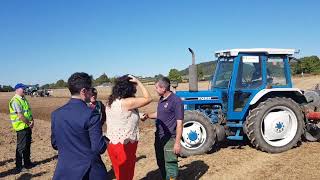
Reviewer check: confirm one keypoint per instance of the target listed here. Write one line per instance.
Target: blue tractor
(251, 96)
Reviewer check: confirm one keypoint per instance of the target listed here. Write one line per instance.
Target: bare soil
(231, 160)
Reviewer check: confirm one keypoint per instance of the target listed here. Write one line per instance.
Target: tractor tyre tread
(255, 117)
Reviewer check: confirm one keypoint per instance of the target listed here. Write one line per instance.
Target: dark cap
(20, 85)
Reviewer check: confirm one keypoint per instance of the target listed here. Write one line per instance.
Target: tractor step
(237, 137)
(235, 125)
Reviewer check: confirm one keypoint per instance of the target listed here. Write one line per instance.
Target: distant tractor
(251, 96)
(35, 90)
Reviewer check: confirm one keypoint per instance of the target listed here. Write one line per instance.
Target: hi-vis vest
(26, 111)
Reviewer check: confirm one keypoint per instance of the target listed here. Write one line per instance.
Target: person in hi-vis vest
(22, 122)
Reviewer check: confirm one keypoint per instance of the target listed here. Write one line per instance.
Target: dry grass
(307, 82)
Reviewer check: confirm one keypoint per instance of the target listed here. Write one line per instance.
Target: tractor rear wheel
(275, 125)
(198, 134)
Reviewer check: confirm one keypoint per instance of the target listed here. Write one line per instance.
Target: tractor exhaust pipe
(193, 74)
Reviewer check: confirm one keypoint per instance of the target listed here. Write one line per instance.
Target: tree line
(304, 65)
(308, 65)
(63, 84)
(5, 88)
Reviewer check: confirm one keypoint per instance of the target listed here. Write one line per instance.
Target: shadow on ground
(230, 144)
(6, 161)
(45, 160)
(195, 170)
(26, 175)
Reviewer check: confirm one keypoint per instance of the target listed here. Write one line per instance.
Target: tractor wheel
(313, 98)
(275, 125)
(198, 134)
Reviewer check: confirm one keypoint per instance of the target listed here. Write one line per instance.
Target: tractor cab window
(249, 73)
(223, 73)
(276, 72)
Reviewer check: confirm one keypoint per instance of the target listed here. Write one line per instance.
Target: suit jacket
(76, 133)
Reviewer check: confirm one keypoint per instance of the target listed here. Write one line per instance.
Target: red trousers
(123, 159)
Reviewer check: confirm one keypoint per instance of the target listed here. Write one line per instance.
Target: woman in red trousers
(122, 124)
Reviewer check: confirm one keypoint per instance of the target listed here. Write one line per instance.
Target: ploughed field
(231, 160)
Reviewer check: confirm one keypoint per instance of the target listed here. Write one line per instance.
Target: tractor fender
(293, 93)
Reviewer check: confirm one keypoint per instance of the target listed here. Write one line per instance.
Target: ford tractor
(251, 96)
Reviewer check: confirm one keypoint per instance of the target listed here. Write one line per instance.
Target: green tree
(310, 64)
(102, 79)
(200, 74)
(52, 85)
(174, 75)
(61, 84)
(207, 69)
(7, 88)
(45, 86)
(113, 79)
(158, 76)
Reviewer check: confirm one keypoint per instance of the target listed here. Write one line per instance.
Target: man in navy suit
(76, 133)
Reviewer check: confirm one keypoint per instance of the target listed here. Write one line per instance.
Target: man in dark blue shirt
(169, 117)
(76, 133)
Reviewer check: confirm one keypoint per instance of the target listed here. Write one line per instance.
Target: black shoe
(29, 165)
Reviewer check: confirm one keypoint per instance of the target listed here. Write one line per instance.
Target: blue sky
(42, 41)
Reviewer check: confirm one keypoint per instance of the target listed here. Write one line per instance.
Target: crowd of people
(77, 134)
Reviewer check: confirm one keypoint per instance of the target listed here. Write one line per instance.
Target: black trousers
(23, 147)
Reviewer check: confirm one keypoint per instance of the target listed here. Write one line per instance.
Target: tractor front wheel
(198, 134)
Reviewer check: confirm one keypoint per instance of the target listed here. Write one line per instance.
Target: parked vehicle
(35, 90)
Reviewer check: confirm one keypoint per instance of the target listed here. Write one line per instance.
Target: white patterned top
(122, 126)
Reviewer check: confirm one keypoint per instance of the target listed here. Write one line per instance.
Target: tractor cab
(242, 73)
